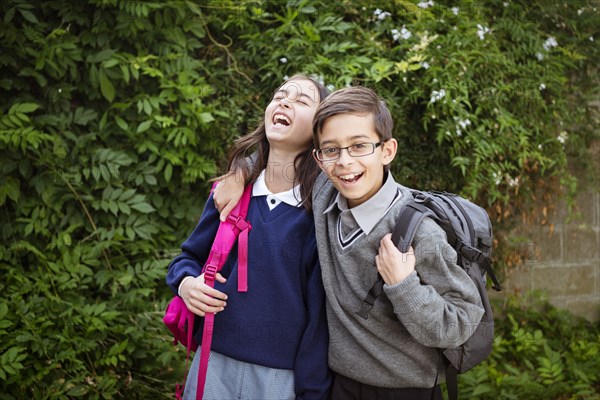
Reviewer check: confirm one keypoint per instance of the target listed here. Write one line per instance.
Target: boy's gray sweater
(436, 307)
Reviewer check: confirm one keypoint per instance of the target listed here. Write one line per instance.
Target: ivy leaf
(143, 207)
(144, 126)
(106, 87)
(28, 15)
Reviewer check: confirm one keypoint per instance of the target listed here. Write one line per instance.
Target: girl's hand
(393, 265)
(228, 193)
(201, 298)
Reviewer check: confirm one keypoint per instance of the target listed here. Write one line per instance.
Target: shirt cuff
(181, 284)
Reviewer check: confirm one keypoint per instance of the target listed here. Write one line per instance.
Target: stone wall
(563, 258)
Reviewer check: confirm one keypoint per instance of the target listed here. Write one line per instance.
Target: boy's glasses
(356, 150)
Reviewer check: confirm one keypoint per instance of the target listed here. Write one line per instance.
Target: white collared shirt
(291, 197)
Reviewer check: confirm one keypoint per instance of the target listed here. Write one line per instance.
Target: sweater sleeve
(195, 250)
(312, 377)
(320, 187)
(438, 303)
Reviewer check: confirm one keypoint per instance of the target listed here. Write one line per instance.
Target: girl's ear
(389, 149)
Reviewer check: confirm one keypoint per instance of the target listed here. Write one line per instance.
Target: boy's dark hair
(356, 100)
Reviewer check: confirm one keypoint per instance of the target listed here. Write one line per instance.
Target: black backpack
(469, 232)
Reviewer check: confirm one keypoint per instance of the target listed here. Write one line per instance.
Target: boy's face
(356, 178)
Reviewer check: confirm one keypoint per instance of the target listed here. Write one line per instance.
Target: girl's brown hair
(257, 145)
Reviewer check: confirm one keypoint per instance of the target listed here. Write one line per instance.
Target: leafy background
(115, 114)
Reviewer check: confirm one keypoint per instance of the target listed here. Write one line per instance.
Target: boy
(428, 302)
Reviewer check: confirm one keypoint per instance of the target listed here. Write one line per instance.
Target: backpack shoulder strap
(235, 225)
(407, 222)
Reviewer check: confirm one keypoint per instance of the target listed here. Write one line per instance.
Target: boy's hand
(201, 298)
(393, 265)
(228, 193)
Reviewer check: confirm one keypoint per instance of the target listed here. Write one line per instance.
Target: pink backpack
(180, 320)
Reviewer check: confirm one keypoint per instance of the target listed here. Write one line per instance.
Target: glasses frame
(347, 148)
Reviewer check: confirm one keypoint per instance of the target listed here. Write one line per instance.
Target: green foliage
(115, 113)
(540, 352)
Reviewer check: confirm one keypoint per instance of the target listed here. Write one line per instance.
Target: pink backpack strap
(190, 339)
(235, 225)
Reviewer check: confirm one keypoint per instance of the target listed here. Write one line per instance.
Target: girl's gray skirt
(229, 379)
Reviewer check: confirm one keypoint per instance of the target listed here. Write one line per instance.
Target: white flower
(580, 11)
(426, 4)
(425, 65)
(455, 10)
(435, 95)
(482, 30)
(539, 56)
(591, 38)
(285, 77)
(505, 4)
(542, 86)
(458, 133)
(464, 123)
(400, 34)
(562, 137)
(283, 60)
(540, 146)
(497, 177)
(381, 15)
(550, 43)
(512, 182)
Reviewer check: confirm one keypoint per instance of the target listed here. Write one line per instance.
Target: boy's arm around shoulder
(322, 192)
(438, 303)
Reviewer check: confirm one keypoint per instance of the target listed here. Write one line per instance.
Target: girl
(271, 341)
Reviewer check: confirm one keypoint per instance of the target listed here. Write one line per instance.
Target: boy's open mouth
(350, 178)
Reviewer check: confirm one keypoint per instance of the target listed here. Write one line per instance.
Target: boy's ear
(389, 148)
(319, 163)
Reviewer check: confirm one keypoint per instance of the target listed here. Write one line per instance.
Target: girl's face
(289, 115)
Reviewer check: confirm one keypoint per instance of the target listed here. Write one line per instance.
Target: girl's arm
(184, 271)
(312, 377)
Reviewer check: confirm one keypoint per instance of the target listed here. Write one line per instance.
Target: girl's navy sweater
(280, 321)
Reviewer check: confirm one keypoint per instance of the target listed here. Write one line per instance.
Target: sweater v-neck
(267, 214)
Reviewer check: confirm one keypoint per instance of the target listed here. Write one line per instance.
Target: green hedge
(540, 352)
(115, 113)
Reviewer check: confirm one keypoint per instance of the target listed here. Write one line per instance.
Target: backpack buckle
(239, 222)
(210, 272)
(470, 253)
(364, 310)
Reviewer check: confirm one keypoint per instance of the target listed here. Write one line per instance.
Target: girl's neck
(280, 171)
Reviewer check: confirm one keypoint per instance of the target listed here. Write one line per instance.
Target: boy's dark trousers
(348, 389)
